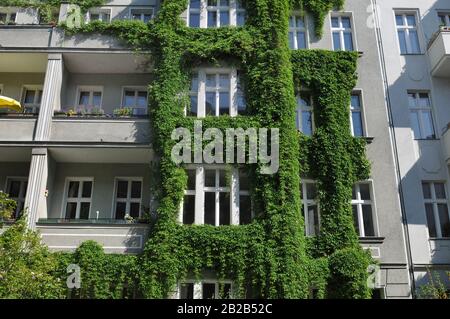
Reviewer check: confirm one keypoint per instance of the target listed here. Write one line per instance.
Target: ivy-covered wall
(271, 255)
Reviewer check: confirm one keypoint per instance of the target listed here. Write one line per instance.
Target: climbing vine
(270, 258)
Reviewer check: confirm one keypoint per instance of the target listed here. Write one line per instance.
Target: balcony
(439, 53)
(446, 144)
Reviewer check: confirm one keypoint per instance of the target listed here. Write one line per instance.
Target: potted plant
(128, 219)
(123, 112)
(96, 111)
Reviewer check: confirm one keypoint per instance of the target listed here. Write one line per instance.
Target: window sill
(439, 239)
(426, 139)
(369, 139)
(412, 54)
(371, 240)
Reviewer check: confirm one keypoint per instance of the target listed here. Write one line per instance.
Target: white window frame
(306, 203)
(201, 96)
(152, 9)
(136, 89)
(91, 90)
(198, 291)
(79, 199)
(405, 27)
(361, 111)
(127, 200)
(9, 12)
(359, 202)
(297, 29)
(200, 191)
(100, 11)
(204, 8)
(302, 108)
(446, 16)
(342, 30)
(435, 201)
(35, 106)
(22, 192)
(420, 110)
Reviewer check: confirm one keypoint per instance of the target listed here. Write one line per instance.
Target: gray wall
(112, 87)
(13, 83)
(103, 191)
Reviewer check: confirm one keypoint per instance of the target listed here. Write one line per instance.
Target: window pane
(415, 125)
(411, 20)
(187, 291)
(136, 189)
(402, 42)
(210, 178)
(224, 206)
(301, 40)
(444, 219)
(194, 83)
(414, 38)
(348, 40)
(96, 99)
(357, 124)
(224, 103)
(335, 22)
(244, 184)
(224, 18)
(412, 101)
(336, 41)
(211, 81)
(135, 209)
(122, 189)
(424, 100)
(354, 192)
(439, 190)
(87, 190)
(355, 219)
(120, 210)
(365, 191)
(208, 291)
(73, 189)
(426, 190)
(369, 229)
(313, 220)
(212, 3)
(224, 80)
(226, 291)
(191, 179)
(223, 181)
(29, 96)
(84, 98)
(210, 107)
(39, 97)
(224, 3)
(212, 19)
(142, 99)
(84, 210)
(194, 20)
(71, 210)
(291, 40)
(300, 22)
(194, 4)
(307, 123)
(188, 209)
(128, 99)
(428, 129)
(210, 208)
(346, 23)
(240, 19)
(14, 189)
(430, 220)
(311, 190)
(193, 106)
(304, 100)
(245, 210)
(355, 102)
(399, 19)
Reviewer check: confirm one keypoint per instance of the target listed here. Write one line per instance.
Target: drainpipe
(394, 146)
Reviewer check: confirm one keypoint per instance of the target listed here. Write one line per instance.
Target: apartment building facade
(415, 41)
(79, 156)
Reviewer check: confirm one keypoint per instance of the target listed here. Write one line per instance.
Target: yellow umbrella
(8, 103)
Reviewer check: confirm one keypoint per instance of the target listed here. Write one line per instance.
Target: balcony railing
(99, 221)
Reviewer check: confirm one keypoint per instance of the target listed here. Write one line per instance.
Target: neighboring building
(415, 39)
(80, 176)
